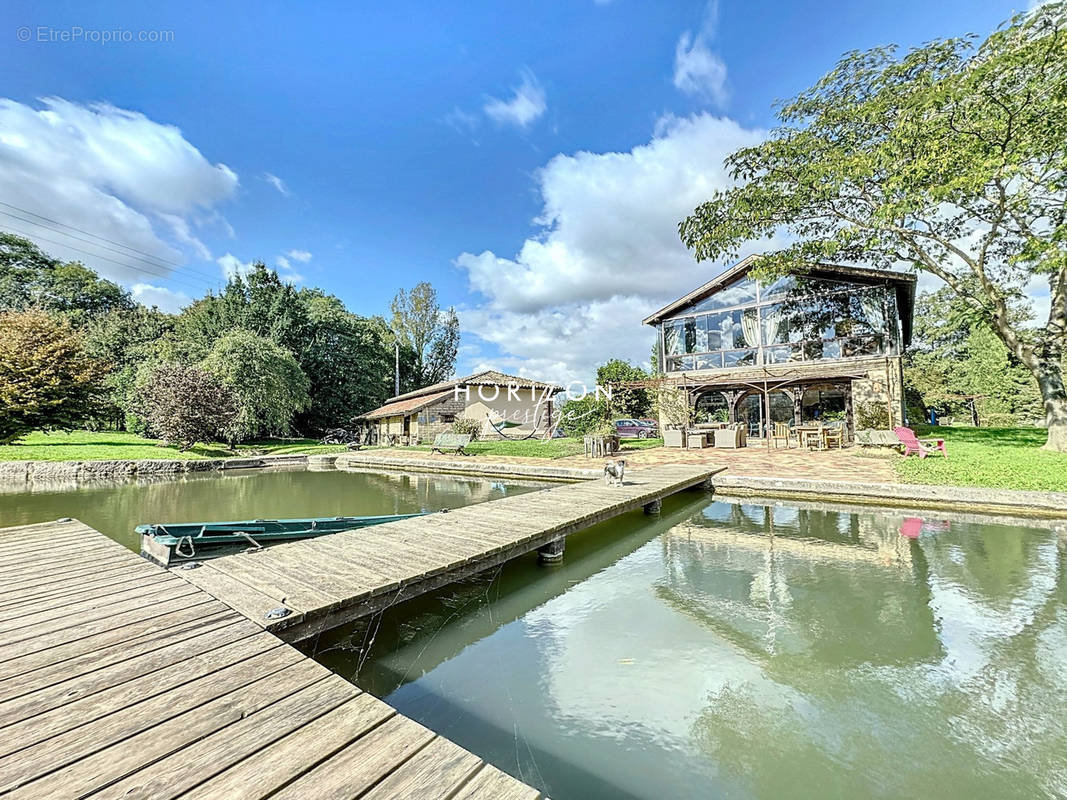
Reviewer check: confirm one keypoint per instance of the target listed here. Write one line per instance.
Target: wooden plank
(354, 769)
(34, 610)
(114, 745)
(250, 602)
(16, 589)
(492, 784)
(68, 636)
(49, 564)
(60, 539)
(201, 608)
(285, 759)
(27, 695)
(433, 773)
(130, 601)
(173, 775)
(248, 569)
(90, 585)
(47, 724)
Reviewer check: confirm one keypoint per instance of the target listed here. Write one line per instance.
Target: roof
(403, 407)
(903, 282)
(489, 377)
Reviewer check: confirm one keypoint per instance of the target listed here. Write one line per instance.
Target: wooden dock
(297, 590)
(119, 679)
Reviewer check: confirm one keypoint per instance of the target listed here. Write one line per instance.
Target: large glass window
(798, 319)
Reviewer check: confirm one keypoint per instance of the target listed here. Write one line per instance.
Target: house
(825, 344)
(489, 396)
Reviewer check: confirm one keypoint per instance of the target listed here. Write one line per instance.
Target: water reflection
(749, 649)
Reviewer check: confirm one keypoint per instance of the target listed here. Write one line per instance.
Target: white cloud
(461, 121)
(607, 252)
(161, 298)
(277, 183)
(303, 256)
(697, 70)
(526, 105)
(112, 173)
(285, 268)
(231, 265)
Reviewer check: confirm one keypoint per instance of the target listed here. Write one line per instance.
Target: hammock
(502, 435)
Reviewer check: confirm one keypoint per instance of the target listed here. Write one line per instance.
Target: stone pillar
(654, 507)
(551, 553)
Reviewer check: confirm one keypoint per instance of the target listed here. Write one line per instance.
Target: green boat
(169, 543)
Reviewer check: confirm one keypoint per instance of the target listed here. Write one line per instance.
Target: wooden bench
(453, 442)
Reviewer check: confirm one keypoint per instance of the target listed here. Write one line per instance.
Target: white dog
(614, 472)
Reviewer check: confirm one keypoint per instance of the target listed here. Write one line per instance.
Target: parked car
(633, 429)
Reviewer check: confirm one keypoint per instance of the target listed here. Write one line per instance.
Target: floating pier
(118, 679)
(300, 589)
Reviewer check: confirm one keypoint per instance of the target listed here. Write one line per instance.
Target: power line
(105, 258)
(163, 261)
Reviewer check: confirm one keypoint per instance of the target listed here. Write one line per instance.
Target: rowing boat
(168, 543)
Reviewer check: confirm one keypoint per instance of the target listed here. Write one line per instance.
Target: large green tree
(267, 383)
(46, 378)
(431, 334)
(625, 401)
(32, 279)
(951, 158)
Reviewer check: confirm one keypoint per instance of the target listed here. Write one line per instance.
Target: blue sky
(529, 159)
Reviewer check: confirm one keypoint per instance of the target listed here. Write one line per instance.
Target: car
(633, 429)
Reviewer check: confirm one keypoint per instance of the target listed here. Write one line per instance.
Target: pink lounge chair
(921, 447)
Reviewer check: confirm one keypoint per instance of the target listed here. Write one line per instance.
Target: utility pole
(396, 372)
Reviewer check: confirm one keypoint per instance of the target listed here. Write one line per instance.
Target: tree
(431, 335)
(586, 415)
(625, 401)
(46, 379)
(32, 279)
(951, 159)
(267, 382)
(186, 405)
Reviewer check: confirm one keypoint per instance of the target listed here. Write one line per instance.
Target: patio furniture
(451, 441)
(811, 436)
(731, 437)
(673, 438)
(781, 433)
(921, 447)
(834, 435)
(695, 440)
(601, 446)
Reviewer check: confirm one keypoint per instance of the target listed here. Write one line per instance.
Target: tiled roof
(489, 377)
(402, 407)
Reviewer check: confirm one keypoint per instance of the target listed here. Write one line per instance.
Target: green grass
(536, 448)
(108, 445)
(1002, 458)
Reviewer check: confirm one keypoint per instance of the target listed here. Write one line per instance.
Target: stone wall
(878, 399)
(430, 423)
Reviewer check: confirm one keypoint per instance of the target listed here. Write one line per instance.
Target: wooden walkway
(119, 679)
(322, 583)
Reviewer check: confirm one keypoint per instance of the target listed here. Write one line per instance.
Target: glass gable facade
(791, 320)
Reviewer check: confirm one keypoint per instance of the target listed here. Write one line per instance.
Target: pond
(115, 508)
(748, 649)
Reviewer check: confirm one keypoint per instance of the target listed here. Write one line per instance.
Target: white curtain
(750, 327)
(774, 322)
(872, 303)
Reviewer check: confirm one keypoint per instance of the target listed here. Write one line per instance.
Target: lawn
(1003, 458)
(106, 445)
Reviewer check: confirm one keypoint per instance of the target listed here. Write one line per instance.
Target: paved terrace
(120, 680)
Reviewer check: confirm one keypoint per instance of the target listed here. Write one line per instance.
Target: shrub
(584, 415)
(46, 378)
(468, 427)
(186, 405)
(872, 416)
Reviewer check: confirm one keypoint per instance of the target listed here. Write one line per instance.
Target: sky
(530, 160)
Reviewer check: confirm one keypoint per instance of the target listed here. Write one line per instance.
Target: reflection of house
(827, 341)
(422, 414)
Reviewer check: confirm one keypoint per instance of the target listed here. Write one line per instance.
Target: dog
(614, 472)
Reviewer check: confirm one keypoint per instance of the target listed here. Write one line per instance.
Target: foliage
(625, 402)
(46, 379)
(585, 415)
(109, 445)
(267, 383)
(186, 405)
(432, 336)
(467, 427)
(1005, 458)
(126, 339)
(950, 158)
(871, 416)
(32, 279)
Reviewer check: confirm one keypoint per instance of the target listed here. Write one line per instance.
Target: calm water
(116, 508)
(848, 655)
